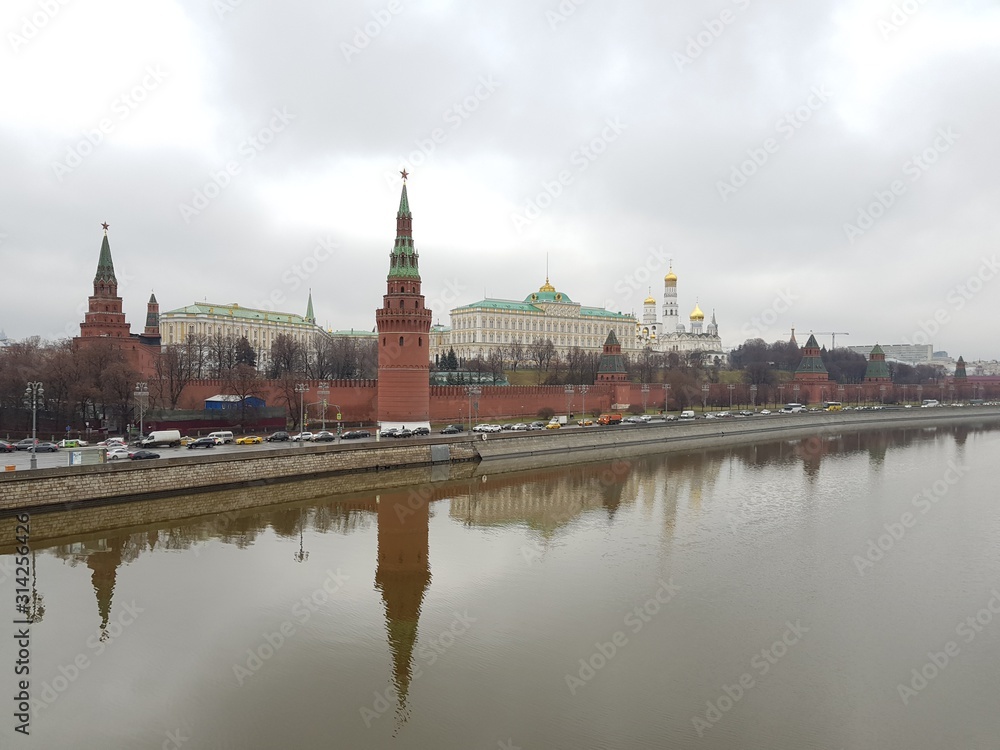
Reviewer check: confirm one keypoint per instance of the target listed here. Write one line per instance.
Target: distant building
(910, 354)
(491, 324)
(261, 327)
(670, 335)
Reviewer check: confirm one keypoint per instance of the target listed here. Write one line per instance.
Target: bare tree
(541, 352)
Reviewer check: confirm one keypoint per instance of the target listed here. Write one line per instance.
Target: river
(837, 593)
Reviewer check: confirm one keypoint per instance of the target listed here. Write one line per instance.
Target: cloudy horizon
(827, 167)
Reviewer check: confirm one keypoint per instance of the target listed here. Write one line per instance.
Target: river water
(838, 592)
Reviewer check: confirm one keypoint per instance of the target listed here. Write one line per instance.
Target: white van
(225, 436)
(687, 415)
(162, 437)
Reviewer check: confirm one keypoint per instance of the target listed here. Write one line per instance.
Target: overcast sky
(829, 165)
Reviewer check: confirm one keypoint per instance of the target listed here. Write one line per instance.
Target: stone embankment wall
(57, 489)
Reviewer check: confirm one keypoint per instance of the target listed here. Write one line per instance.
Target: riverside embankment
(51, 490)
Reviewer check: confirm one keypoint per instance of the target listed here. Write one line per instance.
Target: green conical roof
(310, 316)
(105, 266)
(403, 260)
(611, 340)
(812, 342)
(152, 299)
(877, 350)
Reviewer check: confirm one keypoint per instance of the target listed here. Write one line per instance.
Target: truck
(609, 419)
(157, 438)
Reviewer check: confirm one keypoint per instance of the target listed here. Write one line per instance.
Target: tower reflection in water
(402, 576)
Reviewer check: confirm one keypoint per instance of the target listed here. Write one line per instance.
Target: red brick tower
(104, 317)
(404, 324)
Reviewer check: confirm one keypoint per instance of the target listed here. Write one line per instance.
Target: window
(420, 340)
(400, 340)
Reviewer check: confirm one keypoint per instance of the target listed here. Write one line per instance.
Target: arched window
(401, 303)
(383, 341)
(400, 340)
(416, 304)
(420, 340)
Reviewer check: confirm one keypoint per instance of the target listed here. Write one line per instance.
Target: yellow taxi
(585, 422)
(249, 440)
(187, 439)
(553, 426)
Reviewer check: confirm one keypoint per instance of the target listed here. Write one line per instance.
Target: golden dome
(546, 287)
(671, 276)
(697, 314)
(649, 301)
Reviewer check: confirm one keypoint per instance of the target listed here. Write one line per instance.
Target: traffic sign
(338, 415)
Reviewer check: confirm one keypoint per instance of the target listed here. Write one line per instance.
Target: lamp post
(323, 392)
(569, 399)
(731, 387)
(32, 399)
(753, 398)
(704, 397)
(141, 394)
(920, 393)
(795, 392)
(781, 394)
(339, 415)
(645, 394)
(470, 391)
(666, 398)
(881, 394)
(583, 393)
(302, 389)
(840, 393)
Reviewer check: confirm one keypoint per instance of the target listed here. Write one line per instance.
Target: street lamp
(32, 399)
(881, 394)
(753, 398)
(731, 387)
(795, 393)
(302, 389)
(666, 398)
(920, 393)
(323, 392)
(583, 392)
(569, 399)
(704, 397)
(141, 394)
(470, 391)
(645, 393)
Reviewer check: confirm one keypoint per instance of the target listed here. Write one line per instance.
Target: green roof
(105, 266)
(812, 343)
(241, 313)
(600, 312)
(877, 350)
(877, 368)
(356, 334)
(403, 260)
(515, 306)
(544, 296)
(310, 315)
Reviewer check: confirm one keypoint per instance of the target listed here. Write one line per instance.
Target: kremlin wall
(402, 395)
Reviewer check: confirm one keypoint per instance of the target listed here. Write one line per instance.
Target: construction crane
(832, 334)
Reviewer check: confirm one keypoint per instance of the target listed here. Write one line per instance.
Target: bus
(793, 408)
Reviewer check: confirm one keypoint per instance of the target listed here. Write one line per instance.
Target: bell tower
(404, 325)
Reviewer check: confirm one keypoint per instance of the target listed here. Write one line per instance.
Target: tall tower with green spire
(310, 316)
(877, 370)
(404, 325)
(104, 317)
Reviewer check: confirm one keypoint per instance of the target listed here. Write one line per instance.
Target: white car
(116, 453)
(487, 428)
(765, 411)
(302, 436)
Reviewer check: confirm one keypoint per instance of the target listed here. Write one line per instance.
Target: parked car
(634, 420)
(46, 448)
(356, 434)
(403, 433)
(765, 412)
(302, 437)
(537, 425)
(115, 453)
(6, 447)
(421, 430)
(25, 445)
(519, 427)
(202, 442)
(249, 440)
(71, 443)
(325, 436)
(553, 426)
(278, 437)
(451, 430)
(143, 454)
